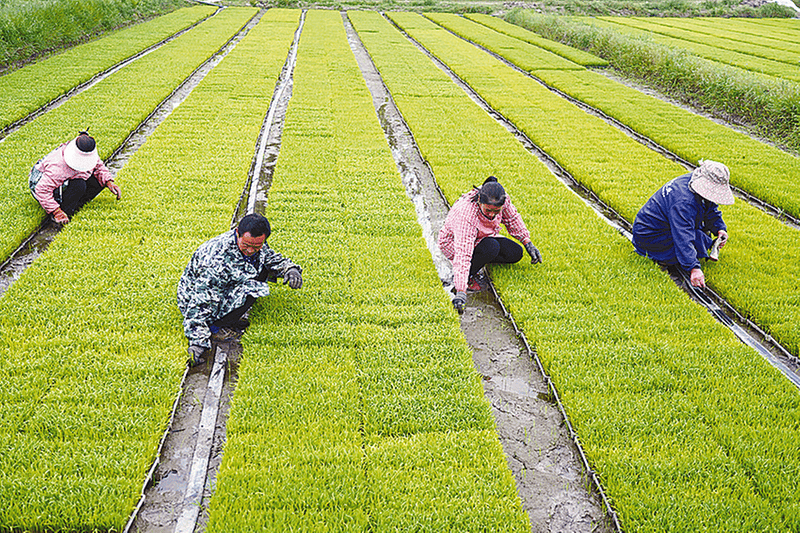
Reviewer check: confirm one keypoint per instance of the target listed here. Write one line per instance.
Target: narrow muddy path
(97, 78)
(176, 497)
(551, 478)
(746, 330)
(743, 195)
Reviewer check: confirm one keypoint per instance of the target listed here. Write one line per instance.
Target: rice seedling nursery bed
(358, 407)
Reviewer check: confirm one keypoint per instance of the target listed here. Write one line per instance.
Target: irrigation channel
(746, 330)
(97, 78)
(772, 210)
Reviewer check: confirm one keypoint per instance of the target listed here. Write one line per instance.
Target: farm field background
(358, 407)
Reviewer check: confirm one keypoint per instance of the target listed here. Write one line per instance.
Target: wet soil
(550, 475)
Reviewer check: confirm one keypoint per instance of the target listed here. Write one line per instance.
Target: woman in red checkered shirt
(470, 237)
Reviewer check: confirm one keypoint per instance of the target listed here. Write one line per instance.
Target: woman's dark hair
(254, 224)
(491, 193)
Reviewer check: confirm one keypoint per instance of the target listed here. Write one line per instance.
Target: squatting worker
(470, 236)
(69, 177)
(674, 226)
(223, 279)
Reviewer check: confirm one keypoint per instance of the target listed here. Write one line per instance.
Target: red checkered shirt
(465, 226)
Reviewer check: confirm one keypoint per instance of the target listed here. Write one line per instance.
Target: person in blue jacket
(675, 225)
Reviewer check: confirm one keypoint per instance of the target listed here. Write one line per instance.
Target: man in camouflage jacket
(223, 279)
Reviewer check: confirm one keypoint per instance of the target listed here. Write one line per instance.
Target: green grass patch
(29, 28)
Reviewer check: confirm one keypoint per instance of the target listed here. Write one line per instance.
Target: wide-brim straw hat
(79, 160)
(711, 180)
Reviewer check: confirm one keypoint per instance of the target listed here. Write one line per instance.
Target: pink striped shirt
(55, 172)
(465, 226)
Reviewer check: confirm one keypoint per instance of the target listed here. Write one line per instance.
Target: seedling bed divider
(111, 110)
(32, 90)
(656, 410)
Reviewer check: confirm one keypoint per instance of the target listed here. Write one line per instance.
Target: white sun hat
(81, 153)
(711, 180)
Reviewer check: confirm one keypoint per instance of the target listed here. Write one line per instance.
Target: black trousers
(494, 250)
(231, 318)
(76, 193)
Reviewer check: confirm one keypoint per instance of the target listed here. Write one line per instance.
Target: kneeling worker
(70, 176)
(674, 225)
(223, 279)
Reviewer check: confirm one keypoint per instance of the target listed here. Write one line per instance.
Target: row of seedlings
(25, 90)
(90, 335)
(783, 29)
(357, 406)
(110, 110)
(688, 429)
(773, 69)
(760, 268)
(690, 136)
(789, 57)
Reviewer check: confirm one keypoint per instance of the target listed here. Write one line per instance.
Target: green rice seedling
(573, 54)
(759, 65)
(624, 174)
(90, 334)
(735, 29)
(763, 103)
(690, 136)
(636, 362)
(110, 110)
(773, 49)
(368, 349)
(29, 88)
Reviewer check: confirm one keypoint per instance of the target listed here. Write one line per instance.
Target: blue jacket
(672, 226)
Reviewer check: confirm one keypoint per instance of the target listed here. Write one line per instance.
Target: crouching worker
(470, 236)
(69, 177)
(675, 225)
(223, 279)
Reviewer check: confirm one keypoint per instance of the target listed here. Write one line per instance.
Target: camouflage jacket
(218, 279)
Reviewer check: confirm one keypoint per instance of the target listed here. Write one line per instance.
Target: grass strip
(31, 28)
(625, 174)
(90, 335)
(690, 136)
(25, 90)
(110, 110)
(573, 54)
(357, 407)
(768, 105)
(689, 429)
(772, 49)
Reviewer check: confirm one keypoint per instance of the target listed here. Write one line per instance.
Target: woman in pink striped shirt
(70, 176)
(470, 236)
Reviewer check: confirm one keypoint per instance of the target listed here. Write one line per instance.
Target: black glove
(533, 251)
(460, 301)
(196, 355)
(293, 278)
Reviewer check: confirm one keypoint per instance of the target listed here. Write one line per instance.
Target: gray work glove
(533, 251)
(196, 355)
(460, 301)
(293, 278)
